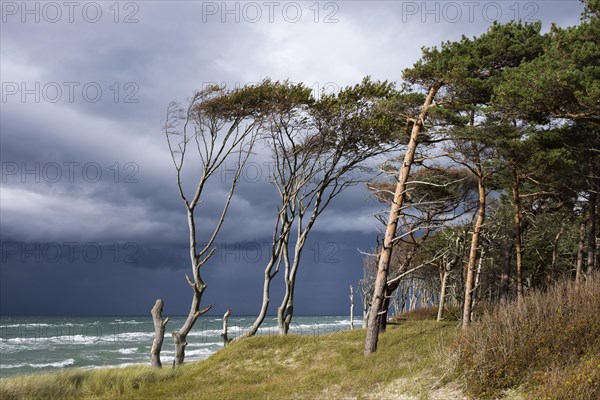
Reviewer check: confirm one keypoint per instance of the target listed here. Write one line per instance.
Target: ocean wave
(122, 365)
(83, 339)
(131, 322)
(130, 350)
(199, 352)
(23, 325)
(58, 364)
(194, 344)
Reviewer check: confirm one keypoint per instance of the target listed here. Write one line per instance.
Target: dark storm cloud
(170, 49)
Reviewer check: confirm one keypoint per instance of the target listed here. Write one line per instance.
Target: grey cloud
(173, 49)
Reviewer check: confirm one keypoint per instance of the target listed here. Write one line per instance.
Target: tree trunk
(476, 286)
(285, 312)
(413, 297)
(366, 310)
(385, 309)
(351, 308)
(517, 226)
(466, 317)
(226, 339)
(392, 225)
(442, 301)
(159, 333)
(591, 256)
(580, 249)
(551, 278)
(263, 308)
(180, 343)
(505, 276)
(276, 247)
(180, 336)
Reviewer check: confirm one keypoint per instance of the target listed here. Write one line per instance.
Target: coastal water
(37, 344)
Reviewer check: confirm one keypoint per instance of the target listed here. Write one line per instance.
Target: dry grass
(550, 346)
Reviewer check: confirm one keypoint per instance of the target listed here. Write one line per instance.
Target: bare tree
(217, 124)
(160, 324)
(351, 307)
(226, 339)
(366, 283)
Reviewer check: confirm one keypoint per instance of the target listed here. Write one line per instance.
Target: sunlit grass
(274, 367)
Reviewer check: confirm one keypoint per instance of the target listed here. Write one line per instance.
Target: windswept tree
(350, 127)
(436, 196)
(453, 76)
(285, 119)
(318, 148)
(216, 125)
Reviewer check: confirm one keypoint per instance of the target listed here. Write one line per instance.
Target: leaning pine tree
(454, 76)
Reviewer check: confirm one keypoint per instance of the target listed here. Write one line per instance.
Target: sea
(41, 344)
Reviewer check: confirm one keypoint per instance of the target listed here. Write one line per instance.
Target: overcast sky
(91, 222)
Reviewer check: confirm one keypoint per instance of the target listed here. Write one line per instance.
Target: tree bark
(385, 307)
(159, 333)
(580, 250)
(180, 343)
(351, 308)
(226, 339)
(440, 314)
(505, 276)
(476, 286)
(392, 225)
(285, 312)
(449, 265)
(517, 226)
(551, 278)
(591, 256)
(180, 336)
(466, 317)
(280, 240)
(264, 306)
(366, 310)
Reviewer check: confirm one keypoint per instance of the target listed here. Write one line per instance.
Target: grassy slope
(548, 348)
(407, 366)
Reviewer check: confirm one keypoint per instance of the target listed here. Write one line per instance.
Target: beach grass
(410, 364)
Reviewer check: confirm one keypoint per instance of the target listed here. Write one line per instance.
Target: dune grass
(549, 348)
(292, 367)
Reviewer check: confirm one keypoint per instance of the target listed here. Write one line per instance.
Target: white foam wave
(130, 350)
(84, 339)
(24, 325)
(194, 344)
(58, 364)
(123, 365)
(131, 322)
(199, 352)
